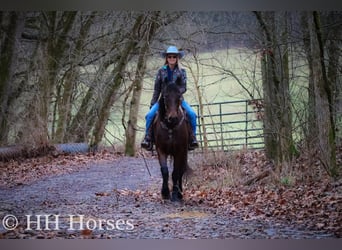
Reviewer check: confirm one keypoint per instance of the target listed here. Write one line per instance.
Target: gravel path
(111, 201)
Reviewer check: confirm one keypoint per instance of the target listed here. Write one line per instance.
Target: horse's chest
(171, 142)
(170, 134)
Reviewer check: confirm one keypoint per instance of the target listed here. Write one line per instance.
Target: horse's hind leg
(165, 174)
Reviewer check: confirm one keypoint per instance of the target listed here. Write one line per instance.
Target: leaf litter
(307, 203)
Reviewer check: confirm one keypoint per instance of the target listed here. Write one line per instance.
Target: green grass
(214, 84)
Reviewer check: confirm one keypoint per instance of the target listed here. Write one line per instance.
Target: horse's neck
(161, 110)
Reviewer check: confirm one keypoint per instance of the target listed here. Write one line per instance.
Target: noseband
(165, 123)
(171, 129)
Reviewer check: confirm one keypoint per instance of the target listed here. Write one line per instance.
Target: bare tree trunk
(111, 95)
(311, 128)
(277, 120)
(69, 83)
(80, 127)
(137, 85)
(51, 51)
(8, 63)
(333, 58)
(288, 149)
(323, 98)
(135, 102)
(195, 75)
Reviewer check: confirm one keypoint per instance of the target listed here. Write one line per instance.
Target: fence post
(221, 127)
(246, 123)
(199, 125)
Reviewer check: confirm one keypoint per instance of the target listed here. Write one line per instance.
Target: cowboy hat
(173, 50)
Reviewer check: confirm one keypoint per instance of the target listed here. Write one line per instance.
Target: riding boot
(147, 142)
(193, 142)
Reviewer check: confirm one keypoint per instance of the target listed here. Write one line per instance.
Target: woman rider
(169, 73)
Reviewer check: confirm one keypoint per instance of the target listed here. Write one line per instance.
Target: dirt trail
(109, 200)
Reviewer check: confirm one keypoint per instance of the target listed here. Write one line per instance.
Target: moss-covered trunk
(323, 98)
(10, 35)
(275, 73)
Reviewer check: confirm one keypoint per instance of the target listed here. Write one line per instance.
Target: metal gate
(230, 125)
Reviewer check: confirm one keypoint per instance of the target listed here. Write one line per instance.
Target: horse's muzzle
(172, 120)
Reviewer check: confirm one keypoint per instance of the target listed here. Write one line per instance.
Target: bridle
(164, 124)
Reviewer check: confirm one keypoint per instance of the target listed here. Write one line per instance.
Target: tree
(65, 90)
(332, 36)
(101, 51)
(325, 144)
(118, 72)
(152, 23)
(9, 53)
(279, 143)
(49, 33)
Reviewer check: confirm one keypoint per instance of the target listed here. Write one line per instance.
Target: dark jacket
(162, 79)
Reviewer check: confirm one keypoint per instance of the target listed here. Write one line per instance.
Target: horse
(171, 138)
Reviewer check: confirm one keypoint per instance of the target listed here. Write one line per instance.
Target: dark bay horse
(171, 137)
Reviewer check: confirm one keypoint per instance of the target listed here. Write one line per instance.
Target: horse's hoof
(165, 195)
(176, 196)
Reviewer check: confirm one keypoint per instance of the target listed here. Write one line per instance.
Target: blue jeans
(189, 110)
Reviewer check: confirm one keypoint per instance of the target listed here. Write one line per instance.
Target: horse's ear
(178, 80)
(164, 89)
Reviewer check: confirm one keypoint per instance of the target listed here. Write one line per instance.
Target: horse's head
(172, 100)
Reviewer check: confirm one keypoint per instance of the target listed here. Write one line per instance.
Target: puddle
(187, 215)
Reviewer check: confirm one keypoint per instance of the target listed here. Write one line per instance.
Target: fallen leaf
(102, 194)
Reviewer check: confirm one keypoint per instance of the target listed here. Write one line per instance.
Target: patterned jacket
(162, 79)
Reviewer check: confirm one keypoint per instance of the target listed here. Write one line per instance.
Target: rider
(169, 74)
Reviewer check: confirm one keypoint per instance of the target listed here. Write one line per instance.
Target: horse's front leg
(176, 189)
(177, 176)
(165, 174)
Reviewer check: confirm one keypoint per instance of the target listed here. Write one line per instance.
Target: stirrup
(147, 145)
(193, 145)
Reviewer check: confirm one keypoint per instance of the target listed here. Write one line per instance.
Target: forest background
(74, 76)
